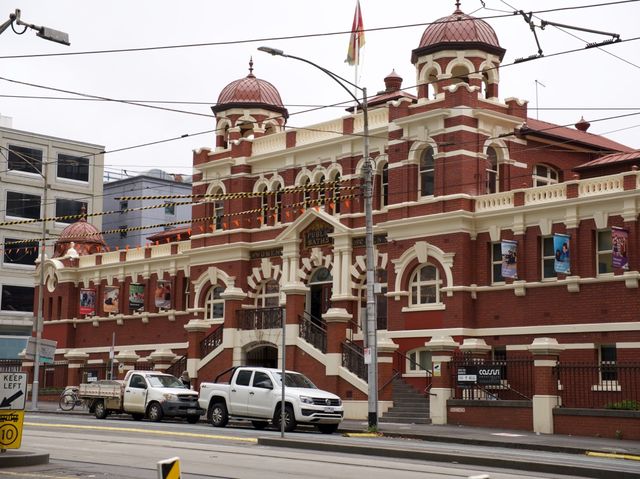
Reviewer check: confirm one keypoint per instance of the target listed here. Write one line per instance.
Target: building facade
(135, 221)
(278, 238)
(73, 171)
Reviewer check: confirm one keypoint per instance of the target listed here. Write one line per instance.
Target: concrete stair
(409, 406)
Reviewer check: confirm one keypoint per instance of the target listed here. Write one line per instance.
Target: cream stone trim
(422, 251)
(212, 275)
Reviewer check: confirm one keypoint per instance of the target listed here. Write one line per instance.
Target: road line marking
(362, 434)
(39, 475)
(252, 440)
(613, 455)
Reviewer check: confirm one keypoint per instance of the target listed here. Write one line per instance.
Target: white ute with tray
(150, 394)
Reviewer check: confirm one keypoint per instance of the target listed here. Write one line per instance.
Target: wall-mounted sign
(361, 241)
(136, 297)
(484, 375)
(163, 295)
(266, 253)
(111, 301)
(87, 301)
(317, 235)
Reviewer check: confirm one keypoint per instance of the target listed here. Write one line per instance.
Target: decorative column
(126, 362)
(442, 349)
(76, 359)
(296, 294)
(161, 359)
(196, 331)
(386, 349)
(233, 298)
(478, 349)
(545, 352)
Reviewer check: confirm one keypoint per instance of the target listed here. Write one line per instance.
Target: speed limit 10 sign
(11, 429)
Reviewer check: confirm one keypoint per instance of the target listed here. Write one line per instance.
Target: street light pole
(371, 323)
(63, 38)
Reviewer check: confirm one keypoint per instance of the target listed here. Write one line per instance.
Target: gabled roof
(560, 133)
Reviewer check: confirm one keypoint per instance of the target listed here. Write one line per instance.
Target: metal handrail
(398, 362)
(211, 342)
(312, 331)
(353, 359)
(178, 366)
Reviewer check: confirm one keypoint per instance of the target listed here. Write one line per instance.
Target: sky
(589, 82)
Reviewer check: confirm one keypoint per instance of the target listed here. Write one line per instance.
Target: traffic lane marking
(39, 475)
(613, 455)
(251, 440)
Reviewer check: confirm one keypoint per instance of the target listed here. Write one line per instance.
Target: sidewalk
(465, 435)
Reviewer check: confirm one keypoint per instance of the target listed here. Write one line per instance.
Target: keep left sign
(13, 390)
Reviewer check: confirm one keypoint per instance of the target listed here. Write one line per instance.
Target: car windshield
(161, 381)
(296, 380)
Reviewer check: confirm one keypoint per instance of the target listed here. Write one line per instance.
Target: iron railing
(211, 342)
(312, 330)
(614, 385)
(178, 366)
(353, 359)
(10, 365)
(260, 318)
(516, 378)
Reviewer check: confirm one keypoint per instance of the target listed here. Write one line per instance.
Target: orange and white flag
(356, 41)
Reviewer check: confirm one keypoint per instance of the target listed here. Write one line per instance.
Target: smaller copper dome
(85, 237)
(458, 31)
(250, 92)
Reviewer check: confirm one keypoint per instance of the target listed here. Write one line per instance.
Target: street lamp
(58, 37)
(371, 326)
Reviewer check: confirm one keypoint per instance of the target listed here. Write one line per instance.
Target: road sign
(47, 349)
(169, 468)
(11, 429)
(13, 390)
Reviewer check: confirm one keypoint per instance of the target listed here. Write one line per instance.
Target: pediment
(309, 218)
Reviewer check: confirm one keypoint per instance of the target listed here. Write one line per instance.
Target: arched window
(384, 186)
(322, 193)
(218, 208)
(268, 295)
(336, 193)
(264, 205)
(307, 193)
(459, 74)
(491, 171)
(225, 137)
(277, 203)
(425, 285)
(544, 175)
(432, 78)
(269, 129)
(214, 304)
(427, 172)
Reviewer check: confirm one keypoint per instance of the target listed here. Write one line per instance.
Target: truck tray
(110, 389)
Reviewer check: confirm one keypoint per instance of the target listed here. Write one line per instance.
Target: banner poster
(619, 237)
(136, 296)
(163, 295)
(111, 299)
(88, 301)
(562, 263)
(509, 258)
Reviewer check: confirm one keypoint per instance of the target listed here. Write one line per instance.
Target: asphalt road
(82, 446)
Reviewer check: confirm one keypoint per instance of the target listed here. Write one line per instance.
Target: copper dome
(458, 31)
(250, 92)
(85, 237)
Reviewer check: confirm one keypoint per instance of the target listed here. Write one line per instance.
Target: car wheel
(218, 415)
(327, 428)
(154, 413)
(100, 410)
(137, 416)
(289, 418)
(193, 419)
(259, 424)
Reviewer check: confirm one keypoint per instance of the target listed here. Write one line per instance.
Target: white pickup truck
(142, 394)
(255, 394)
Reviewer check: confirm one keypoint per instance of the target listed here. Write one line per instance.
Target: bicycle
(69, 399)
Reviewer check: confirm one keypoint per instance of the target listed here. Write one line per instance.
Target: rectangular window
(25, 159)
(548, 258)
(608, 358)
(17, 298)
(66, 207)
(169, 208)
(123, 231)
(19, 252)
(23, 205)
(604, 254)
(73, 167)
(496, 263)
(124, 205)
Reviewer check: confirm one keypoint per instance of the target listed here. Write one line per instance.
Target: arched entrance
(320, 287)
(264, 355)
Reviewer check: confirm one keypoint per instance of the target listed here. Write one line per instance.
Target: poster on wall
(163, 294)
(136, 296)
(619, 237)
(111, 299)
(88, 301)
(509, 258)
(562, 263)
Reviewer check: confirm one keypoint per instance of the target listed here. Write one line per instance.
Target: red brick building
(278, 235)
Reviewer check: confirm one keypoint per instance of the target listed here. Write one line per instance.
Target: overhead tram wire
(294, 37)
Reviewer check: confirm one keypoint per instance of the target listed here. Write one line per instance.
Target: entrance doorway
(320, 288)
(264, 356)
